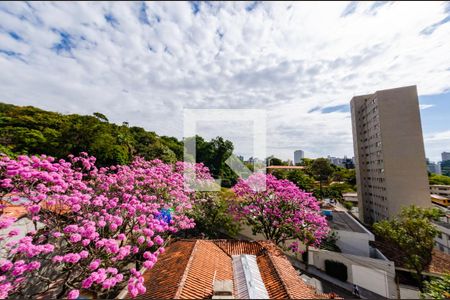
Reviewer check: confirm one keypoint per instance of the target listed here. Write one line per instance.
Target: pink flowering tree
(95, 229)
(280, 211)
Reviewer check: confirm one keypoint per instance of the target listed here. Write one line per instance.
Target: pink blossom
(5, 222)
(84, 254)
(105, 204)
(94, 264)
(292, 213)
(57, 259)
(34, 209)
(148, 264)
(74, 238)
(13, 232)
(73, 294)
(5, 265)
(158, 240)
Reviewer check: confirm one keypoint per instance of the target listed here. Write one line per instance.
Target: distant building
(351, 197)
(388, 143)
(445, 156)
(441, 190)
(445, 167)
(342, 162)
(298, 156)
(433, 167)
(335, 160)
(443, 226)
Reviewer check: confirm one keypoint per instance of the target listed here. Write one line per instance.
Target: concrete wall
(375, 275)
(390, 157)
(354, 242)
(403, 149)
(443, 239)
(408, 292)
(23, 225)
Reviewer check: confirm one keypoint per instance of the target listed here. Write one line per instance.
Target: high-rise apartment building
(390, 157)
(445, 156)
(298, 156)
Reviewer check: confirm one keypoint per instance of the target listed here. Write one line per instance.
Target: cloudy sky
(302, 62)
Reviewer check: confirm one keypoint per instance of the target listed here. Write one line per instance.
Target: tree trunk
(420, 281)
(307, 258)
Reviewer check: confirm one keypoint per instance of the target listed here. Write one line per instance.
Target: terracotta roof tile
(236, 247)
(188, 269)
(163, 279)
(209, 263)
(11, 210)
(440, 261)
(272, 281)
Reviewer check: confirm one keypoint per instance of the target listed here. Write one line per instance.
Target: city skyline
(144, 62)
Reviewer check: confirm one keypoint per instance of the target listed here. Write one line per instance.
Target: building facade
(391, 170)
(434, 167)
(341, 162)
(298, 156)
(445, 156)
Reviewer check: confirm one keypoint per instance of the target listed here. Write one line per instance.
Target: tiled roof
(188, 268)
(57, 208)
(440, 261)
(10, 210)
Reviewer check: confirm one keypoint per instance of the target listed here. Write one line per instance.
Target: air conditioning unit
(223, 289)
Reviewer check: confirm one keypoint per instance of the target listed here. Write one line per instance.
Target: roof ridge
(215, 242)
(186, 272)
(277, 271)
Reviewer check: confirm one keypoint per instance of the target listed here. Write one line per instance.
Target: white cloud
(425, 106)
(436, 143)
(285, 57)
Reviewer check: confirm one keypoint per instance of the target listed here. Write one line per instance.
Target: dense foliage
(322, 170)
(32, 131)
(334, 182)
(445, 167)
(95, 228)
(211, 215)
(439, 179)
(437, 288)
(412, 234)
(280, 211)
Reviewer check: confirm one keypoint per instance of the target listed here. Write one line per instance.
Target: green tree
(306, 162)
(437, 288)
(329, 243)
(302, 180)
(29, 130)
(211, 214)
(412, 234)
(322, 170)
(274, 161)
(439, 179)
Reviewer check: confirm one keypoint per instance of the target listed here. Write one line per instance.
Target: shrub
(100, 225)
(336, 269)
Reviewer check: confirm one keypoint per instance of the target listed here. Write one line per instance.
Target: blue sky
(144, 62)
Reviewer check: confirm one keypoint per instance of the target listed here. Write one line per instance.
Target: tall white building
(298, 156)
(391, 171)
